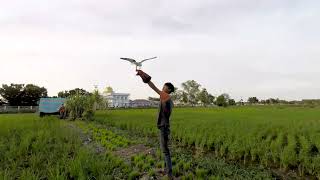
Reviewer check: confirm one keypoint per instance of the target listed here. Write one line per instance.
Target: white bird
(138, 64)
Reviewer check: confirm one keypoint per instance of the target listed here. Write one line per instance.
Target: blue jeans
(164, 144)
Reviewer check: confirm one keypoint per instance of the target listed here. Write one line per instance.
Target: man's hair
(170, 87)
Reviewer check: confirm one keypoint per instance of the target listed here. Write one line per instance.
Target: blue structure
(50, 105)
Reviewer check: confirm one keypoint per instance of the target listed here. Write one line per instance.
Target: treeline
(193, 94)
(255, 100)
(21, 95)
(270, 101)
(72, 92)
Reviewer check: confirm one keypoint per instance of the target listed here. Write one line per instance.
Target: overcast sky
(263, 48)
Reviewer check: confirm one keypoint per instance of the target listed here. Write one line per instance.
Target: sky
(262, 48)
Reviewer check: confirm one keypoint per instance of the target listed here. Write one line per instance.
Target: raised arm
(147, 79)
(154, 87)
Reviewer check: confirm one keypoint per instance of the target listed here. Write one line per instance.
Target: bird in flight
(138, 64)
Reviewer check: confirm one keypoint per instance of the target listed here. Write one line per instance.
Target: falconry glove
(144, 76)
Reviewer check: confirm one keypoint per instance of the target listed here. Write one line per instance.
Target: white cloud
(247, 48)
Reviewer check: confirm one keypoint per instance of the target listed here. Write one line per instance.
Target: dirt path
(181, 154)
(133, 150)
(124, 153)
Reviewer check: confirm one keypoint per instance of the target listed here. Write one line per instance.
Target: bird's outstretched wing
(129, 59)
(147, 59)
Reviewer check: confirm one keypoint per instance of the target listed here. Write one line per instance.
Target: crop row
(107, 138)
(33, 148)
(284, 138)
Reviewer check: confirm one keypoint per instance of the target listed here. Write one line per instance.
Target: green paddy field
(253, 142)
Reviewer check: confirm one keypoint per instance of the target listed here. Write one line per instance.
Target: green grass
(34, 148)
(274, 136)
(108, 139)
(183, 161)
(285, 138)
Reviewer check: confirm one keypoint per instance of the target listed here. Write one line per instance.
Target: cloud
(246, 48)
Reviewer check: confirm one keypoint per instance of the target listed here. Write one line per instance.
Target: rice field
(286, 138)
(280, 138)
(34, 148)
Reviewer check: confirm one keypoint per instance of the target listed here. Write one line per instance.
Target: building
(143, 103)
(117, 100)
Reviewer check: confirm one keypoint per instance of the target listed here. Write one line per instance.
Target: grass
(108, 139)
(185, 165)
(206, 140)
(33, 148)
(273, 136)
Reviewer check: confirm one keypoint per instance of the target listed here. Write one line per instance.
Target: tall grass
(33, 148)
(283, 137)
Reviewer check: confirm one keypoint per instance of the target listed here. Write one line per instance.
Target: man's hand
(147, 79)
(144, 76)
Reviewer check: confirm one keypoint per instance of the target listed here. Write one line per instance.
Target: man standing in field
(62, 112)
(165, 109)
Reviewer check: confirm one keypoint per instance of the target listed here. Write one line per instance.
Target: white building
(117, 99)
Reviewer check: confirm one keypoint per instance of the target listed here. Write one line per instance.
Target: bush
(83, 106)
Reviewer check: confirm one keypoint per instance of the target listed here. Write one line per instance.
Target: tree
(179, 96)
(21, 95)
(99, 100)
(12, 93)
(232, 102)
(268, 101)
(184, 97)
(192, 89)
(203, 97)
(32, 95)
(272, 101)
(211, 99)
(176, 95)
(226, 96)
(65, 94)
(253, 100)
(275, 101)
(222, 100)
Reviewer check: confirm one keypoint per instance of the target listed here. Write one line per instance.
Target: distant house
(117, 100)
(142, 103)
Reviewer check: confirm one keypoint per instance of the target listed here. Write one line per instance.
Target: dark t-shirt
(165, 109)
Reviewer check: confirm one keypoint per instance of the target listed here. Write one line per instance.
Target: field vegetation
(283, 137)
(251, 142)
(34, 148)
